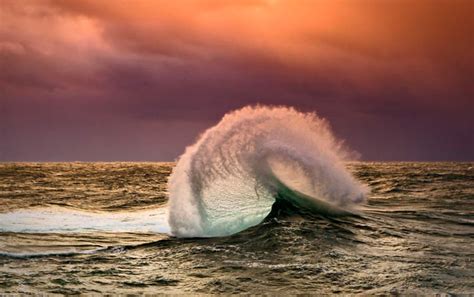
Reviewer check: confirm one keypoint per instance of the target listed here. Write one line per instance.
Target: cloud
(155, 61)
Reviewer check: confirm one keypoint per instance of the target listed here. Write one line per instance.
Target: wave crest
(229, 179)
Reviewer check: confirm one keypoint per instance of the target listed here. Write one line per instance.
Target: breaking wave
(231, 177)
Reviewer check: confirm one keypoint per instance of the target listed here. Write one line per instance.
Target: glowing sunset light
(237, 147)
(386, 67)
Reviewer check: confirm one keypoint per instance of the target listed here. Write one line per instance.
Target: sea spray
(228, 180)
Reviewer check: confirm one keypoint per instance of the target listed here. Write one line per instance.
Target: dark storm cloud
(373, 68)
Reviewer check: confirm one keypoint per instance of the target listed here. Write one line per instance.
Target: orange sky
(358, 62)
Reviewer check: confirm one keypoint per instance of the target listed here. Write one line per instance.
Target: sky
(86, 80)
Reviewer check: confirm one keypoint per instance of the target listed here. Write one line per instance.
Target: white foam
(63, 220)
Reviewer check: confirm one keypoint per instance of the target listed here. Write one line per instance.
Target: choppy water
(415, 235)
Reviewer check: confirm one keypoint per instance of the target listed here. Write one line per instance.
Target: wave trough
(230, 178)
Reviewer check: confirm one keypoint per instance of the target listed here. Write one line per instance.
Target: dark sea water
(415, 235)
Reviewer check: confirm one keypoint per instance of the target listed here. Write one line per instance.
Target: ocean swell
(230, 178)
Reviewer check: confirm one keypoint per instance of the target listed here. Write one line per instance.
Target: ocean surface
(72, 228)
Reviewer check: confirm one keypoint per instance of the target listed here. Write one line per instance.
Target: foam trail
(63, 220)
(228, 180)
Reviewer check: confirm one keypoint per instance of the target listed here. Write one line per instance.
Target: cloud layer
(138, 80)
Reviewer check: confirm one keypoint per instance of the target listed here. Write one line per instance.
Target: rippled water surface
(415, 235)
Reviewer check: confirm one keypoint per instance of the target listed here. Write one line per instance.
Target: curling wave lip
(229, 179)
